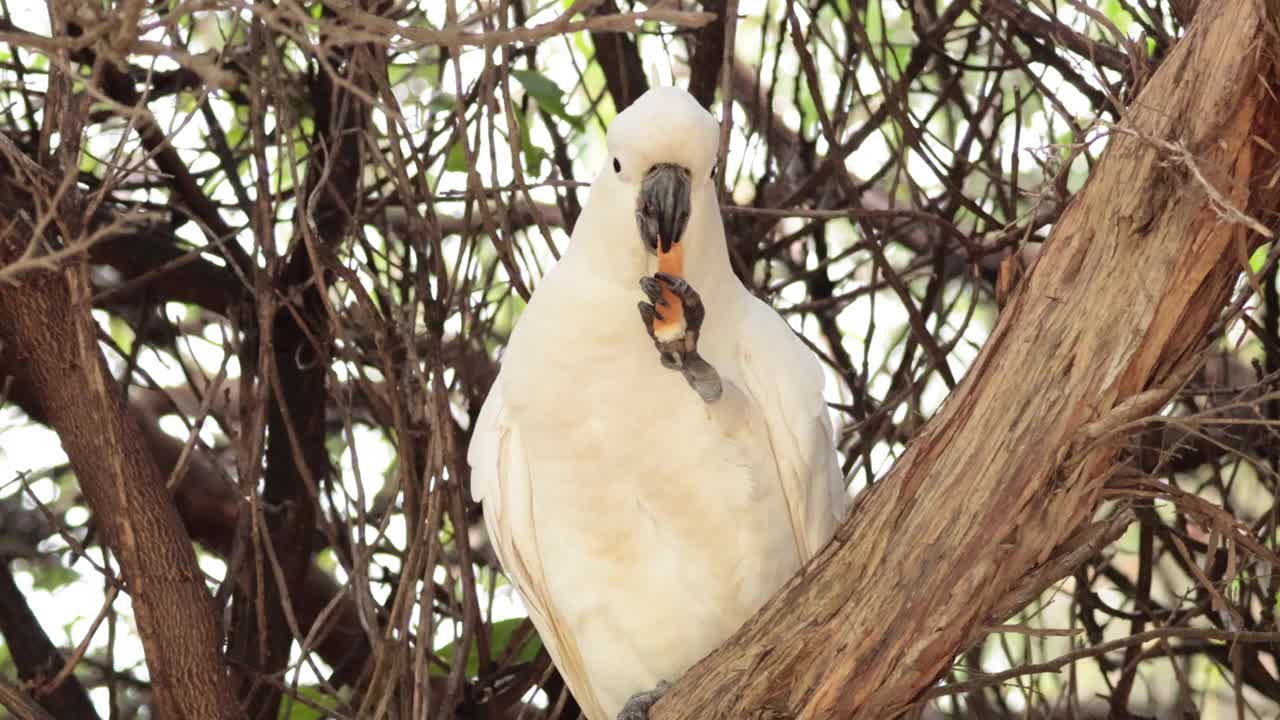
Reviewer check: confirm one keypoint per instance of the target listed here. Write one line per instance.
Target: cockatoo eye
(617, 166)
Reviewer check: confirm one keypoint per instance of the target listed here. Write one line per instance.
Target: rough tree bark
(1104, 329)
(45, 320)
(620, 61)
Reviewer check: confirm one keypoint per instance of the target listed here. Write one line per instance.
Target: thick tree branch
(23, 707)
(36, 657)
(46, 319)
(708, 52)
(620, 60)
(1107, 326)
(151, 263)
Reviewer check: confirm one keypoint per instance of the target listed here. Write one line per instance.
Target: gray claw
(653, 290)
(647, 314)
(637, 707)
(681, 288)
(702, 377)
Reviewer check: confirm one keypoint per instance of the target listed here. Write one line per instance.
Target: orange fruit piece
(672, 324)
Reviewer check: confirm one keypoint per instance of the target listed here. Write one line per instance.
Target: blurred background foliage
(312, 226)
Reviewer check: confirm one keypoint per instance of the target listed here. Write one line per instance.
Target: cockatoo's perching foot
(681, 353)
(637, 707)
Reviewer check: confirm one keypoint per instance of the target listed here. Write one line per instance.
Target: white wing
(783, 377)
(500, 479)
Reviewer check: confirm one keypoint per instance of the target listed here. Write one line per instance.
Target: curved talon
(653, 290)
(648, 314)
(637, 706)
(680, 287)
(702, 377)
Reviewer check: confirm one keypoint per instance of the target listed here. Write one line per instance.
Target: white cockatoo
(645, 503)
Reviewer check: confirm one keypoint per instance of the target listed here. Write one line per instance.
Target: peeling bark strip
(1105, 327)
(45, 321)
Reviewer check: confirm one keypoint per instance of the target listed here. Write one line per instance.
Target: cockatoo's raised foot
(694, 311)
(637, 707)
(681, 352)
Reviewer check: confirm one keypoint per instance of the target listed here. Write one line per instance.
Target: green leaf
(533, 155)
(6, 660)
(456, 160)
(1116, 13)
(88, 163)
(501, 635)
(52, 577)
(1258, 260)
(398, 72)
(299, 711)
(235, 134)
(548, 95)
(442, 102)
(120, 332)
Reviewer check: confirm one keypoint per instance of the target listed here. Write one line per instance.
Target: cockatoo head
(663, 149)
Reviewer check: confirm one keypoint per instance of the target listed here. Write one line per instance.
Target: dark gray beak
(662, 210)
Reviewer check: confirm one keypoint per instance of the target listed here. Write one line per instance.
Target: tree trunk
(45, 321)
(1105, 328)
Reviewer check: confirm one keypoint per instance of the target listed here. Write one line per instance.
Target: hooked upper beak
(662, 210)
